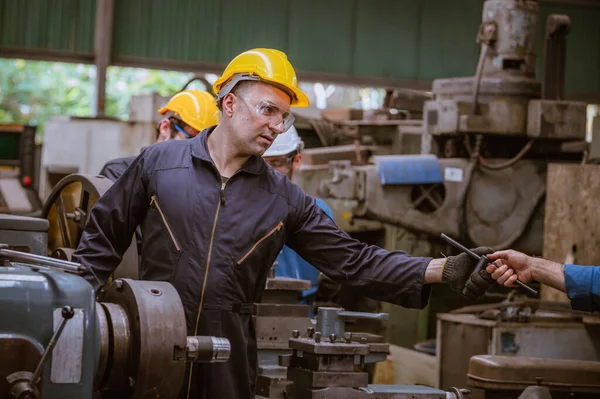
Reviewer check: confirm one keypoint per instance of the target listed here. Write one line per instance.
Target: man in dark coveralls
(215, 217)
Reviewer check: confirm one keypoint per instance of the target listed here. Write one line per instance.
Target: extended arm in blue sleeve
(583, 287)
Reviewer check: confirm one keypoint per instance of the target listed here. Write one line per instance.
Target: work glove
(458, 272)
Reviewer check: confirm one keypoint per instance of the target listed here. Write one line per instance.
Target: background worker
(214, 218)
(580, 283)
(186, 114)
(285, 156)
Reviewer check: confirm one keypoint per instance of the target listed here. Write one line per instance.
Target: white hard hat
(285, 143)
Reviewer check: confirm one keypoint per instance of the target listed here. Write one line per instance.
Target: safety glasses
(282, 164)
(271, 112)
(180, 130)
(180, 126)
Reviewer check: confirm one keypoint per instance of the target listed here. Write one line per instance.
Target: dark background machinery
(474, 167)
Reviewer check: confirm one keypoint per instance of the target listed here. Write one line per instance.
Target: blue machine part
(408, 169)
(31, 303)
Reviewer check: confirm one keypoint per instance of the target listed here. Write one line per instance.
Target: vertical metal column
(102, 50)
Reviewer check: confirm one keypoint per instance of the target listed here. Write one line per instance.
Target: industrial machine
(484, 144)
(275, 317)
(67, 210)
(95, 141)
(58, 341)
(18, 176)
(500, 349)
(326, 361)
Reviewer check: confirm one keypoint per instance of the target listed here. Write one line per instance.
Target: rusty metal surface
(277, 318)
(319, 379)
(271, 386)
(284, 283)
(503, 107)
(17, 354)
(67, 355)
(500, 203)
(557, 119)
(514, 49)
(272, 371)
(555, 57)
(324, 155)
(279, 297)
(152, 366)
(456, 343)
(274, 332)
(307, 345)
(62, 253)
(103, 328)
(402, 205)
(115, 378)
(550, 334)
(372, 392)
(279, 310)
(310, 361)
(510, 373)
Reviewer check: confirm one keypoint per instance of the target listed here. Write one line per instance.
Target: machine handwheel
(68, 210)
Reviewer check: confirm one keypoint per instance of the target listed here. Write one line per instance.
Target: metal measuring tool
(482, 261)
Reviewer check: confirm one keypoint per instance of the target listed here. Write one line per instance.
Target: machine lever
(481, 261)
(67, 313)
(332, 320)
(38, 260)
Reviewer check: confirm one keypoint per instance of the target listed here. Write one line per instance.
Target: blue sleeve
(583, 287)
(323, 205)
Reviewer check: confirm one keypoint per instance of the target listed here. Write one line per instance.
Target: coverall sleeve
(112, 222)
(108, 170)
(394, 277)
(583, 287)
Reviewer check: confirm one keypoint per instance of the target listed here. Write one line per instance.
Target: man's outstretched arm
(391, 276)
(580, 283)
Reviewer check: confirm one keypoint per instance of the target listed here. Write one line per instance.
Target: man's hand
(458, 270)
(510, 265)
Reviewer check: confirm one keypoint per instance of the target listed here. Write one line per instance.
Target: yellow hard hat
(195, 107)
(261, 64)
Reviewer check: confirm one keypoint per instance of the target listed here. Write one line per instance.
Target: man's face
(259, 115)
(286, 164)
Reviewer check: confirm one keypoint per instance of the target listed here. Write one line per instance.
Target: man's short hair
(242, 88)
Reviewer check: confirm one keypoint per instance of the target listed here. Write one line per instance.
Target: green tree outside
(33, 91)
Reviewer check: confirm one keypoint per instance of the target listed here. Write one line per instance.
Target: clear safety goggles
(271, 112)
(282, 163)
(180, 130)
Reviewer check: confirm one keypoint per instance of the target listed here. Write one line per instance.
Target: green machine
(58, 341)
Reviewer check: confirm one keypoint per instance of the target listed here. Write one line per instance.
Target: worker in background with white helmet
(186, 114)
(285, 156)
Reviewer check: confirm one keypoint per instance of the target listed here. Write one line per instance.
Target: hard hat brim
(298, 98)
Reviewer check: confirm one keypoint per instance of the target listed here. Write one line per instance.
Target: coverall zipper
(269, 234)
(210, 245)
(162, 215)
